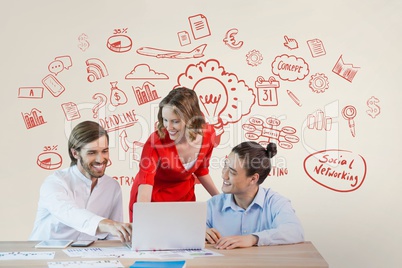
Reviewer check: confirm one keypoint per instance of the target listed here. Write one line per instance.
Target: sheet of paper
(27, 255)
(85, 264)
(194, 253)
(124, 252)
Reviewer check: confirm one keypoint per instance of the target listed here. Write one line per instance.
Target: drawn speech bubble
(56, 67)
(290, 68)
(66, 60)
(337, 170)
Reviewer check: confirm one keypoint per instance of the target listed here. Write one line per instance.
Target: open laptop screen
(169, 225)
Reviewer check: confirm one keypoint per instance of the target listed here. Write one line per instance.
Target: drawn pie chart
(119, 43)
(49, 160)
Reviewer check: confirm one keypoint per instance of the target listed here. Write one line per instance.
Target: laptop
(169, 225)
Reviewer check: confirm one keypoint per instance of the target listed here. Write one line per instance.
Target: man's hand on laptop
(119, 229)
(212, 235)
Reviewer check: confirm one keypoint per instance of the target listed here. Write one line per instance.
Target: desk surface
(296, 255)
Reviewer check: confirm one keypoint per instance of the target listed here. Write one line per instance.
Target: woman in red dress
(176, 154)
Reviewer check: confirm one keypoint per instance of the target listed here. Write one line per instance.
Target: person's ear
(254, 178)
(74, 153)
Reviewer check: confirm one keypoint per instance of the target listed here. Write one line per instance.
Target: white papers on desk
(85, 264)
(27, 255)
(124, 252)
(95, 252)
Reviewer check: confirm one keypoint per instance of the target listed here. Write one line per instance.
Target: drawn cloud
(144, 72)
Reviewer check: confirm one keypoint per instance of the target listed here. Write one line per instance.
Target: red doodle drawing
(290, 43)
(319, 83)
(60, 63)
(230, 39)
(349, 113)
(49, 160)
(119, 43)
(124, 141)
(319, 121)
(337, 170)
(199, 26)
(33, 119)
(53, 85)
(144, 94)
(290, 68)
(126, 181)
(117, 96)
(102, 100)
(137, 150)
(84, 44)
(55, 67)
(254, 58)
(267, 91)
(266, 134)
(30, 92)
(345, 70)
(172, 54)
(294, 98)
(71, 111)
(96, 69)
(374, 108)
(316, 47)
(119, 121)
(184, 38)
(144, 72)
(223, 97)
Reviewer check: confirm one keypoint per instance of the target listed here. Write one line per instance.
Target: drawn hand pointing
(290, 43)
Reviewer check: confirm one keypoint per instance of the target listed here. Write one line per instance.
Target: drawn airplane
(171, 54)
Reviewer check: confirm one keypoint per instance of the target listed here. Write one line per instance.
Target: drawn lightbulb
(213, 101)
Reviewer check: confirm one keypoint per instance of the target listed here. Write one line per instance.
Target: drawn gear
(319, 83)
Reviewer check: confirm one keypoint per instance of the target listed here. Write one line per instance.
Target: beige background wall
(353, 223)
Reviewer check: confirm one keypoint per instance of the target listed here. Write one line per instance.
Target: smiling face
(173, 123)
(235, 179)
(93, 158)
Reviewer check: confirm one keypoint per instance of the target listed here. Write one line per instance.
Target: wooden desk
(297, 255)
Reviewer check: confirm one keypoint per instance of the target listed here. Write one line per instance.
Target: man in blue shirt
(246, 214)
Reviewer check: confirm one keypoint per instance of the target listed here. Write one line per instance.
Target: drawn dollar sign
(83, 45)
(374, 108)
(116, 96)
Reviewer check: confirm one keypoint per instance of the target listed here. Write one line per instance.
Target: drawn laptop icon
(169, 225)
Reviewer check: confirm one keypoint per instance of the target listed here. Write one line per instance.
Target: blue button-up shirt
(270, 217)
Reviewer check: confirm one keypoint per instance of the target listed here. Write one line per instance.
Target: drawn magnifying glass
(349, 113)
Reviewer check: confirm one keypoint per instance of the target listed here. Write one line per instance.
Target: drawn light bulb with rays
(224, 99)
(213, 98)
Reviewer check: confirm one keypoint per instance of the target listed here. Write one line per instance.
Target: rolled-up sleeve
(286, 227)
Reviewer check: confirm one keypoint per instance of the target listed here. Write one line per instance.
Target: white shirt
(68, 210)
(189, 165)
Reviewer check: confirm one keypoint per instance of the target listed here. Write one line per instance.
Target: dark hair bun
(271, 150)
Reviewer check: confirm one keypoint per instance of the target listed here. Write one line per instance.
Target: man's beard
(87, 168)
